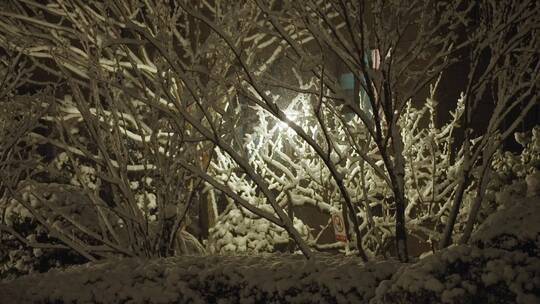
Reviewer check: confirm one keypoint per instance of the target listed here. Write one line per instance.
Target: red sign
(339, 227)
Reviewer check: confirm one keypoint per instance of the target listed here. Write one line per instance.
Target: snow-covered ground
(207, 279)
(501, 266)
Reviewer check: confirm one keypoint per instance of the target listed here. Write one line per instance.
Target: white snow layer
(515, 226)
(501, 266)
(206, 279)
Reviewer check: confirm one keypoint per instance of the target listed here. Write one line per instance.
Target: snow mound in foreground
(515, 227)
(464, 274)
(206, 279)
(501, 266)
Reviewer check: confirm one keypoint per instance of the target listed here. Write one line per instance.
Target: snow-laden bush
(155, 104)
(514, 178)
(31, 243)
(501, 266)
(433, 168)
(523, 163)
(206, 279)
(236, 231)
(517, 171)
(71, 199)
(516, 226)
(300, 177)
(463, 274)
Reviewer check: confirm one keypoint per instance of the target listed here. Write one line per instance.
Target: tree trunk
(290, 212)
(471, 220)
(398, 185)
(458, 198)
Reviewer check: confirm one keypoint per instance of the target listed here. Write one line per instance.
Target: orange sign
(339, 227)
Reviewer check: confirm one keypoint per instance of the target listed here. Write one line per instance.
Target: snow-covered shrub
(522, 166)
(238, 231)
(294, 173)
(514, 176)
(515, 226)
(25, 245)
(433, 166)
(299, 176)
(32, 244)
(502, 265)
(207, 279)
(111, 136)
(17, 260)
(154, 107)
(106, 188)
(463, 274)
